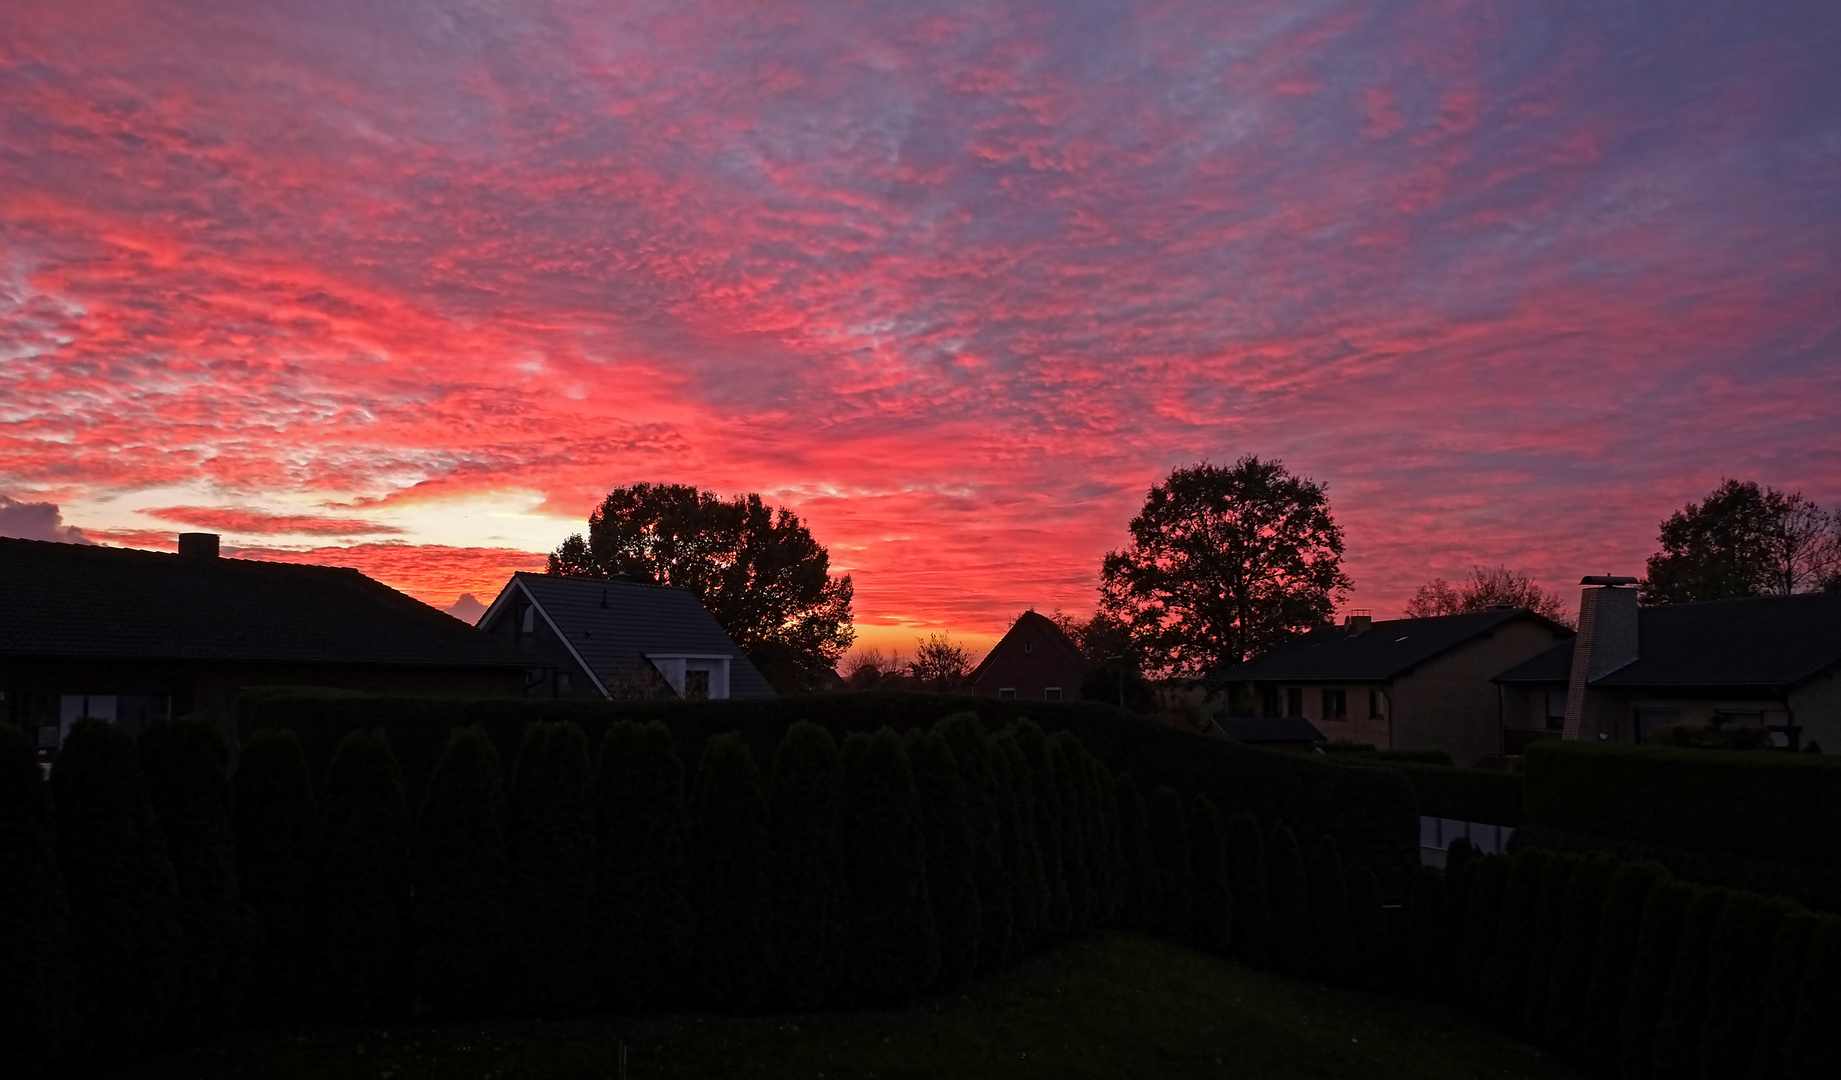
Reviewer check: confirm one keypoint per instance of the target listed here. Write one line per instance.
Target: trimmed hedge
(550, 825)
(1214, 895)
(1489, 796)
(364, 966)
(1288, 897)
(1620, 923)
(952, 885)
(1818, 887)
(733, 893)
(463, 881)
(895, 949)
(1783, 982)
(278, 850)
(37, 999)
(1779, 808)
(646, 922)
(1021, 859)
(805, 810)
(1371, 811)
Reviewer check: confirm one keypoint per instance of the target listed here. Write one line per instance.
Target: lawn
(1118, 1005)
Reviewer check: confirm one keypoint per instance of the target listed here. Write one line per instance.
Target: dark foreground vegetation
(1116, 1005)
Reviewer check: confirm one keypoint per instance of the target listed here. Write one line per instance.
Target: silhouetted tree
(1224, 563)
(463, 880)
(939, 665)
(755, 567)
(1743, 540)
(1486, 588)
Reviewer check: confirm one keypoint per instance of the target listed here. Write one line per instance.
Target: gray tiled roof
(1763, 641)
(1254, 729)
(80, 601)
(1384, 651)
(613, 624)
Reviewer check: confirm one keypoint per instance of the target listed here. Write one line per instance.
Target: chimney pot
(198, 545)
(1358, 620)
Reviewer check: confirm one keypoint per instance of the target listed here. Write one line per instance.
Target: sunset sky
(409, 286)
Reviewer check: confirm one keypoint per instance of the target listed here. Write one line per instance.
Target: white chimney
(1606, 642)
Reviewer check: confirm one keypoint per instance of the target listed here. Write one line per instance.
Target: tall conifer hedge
(1048, 814)
(1738, 983)
(1080, 831)
(188, 781)
(1813, 1049)
(1684, 1004)
(463, 880)
(1246, 858)
(647, 920)
(1425, 952)
(1556, 877)
(363, 919)
(1289, 899)
(1144, 889)
(1332, 937)
(1488, 881)
(1619, 925)
(805, 809)
(1505, 972)
(278, 853)
(129, 944)
(895, 943)
(1782, 991)
(1658, 939)
(1175, 877)
(550, 827)
(1022, 860)
(1569, 972)
(947, 828)
(996, 858)
(729, 867)
(1369, 921)
(36, 996)
(1214, 896)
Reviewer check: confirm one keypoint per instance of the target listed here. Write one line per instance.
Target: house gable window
(1006, 693)
(1335, 703)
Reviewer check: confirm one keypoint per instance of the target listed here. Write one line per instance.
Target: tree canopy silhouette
(1486, 588)
(1744, 540)
(1224, 563)
(755, 567)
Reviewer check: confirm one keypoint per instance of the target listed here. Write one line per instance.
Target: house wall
(561, 675)
(1817, 709)
(1525, 706)
(1030, 664)
(1358, 726)
(1449, 702)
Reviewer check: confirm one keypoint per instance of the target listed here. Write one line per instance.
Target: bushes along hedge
(1368, 920)
(1332, 937)
(1620, 926)
(1021, 865)
(463, 881)
(806, 819)
(1246, 858)
(1175, 886)
(1504, 981)
(1813, 1049)
(734, 896)
(1075, 867)
(37, 999)
(1556, 877)
(1658, 940)
(1738, 982)
(188, 782)
(1488, 880)
(947, 829)
(646, 919)
(1046, 789)
(128, 943)
(1006, 904)
(1783, 983)
(363, 965)
(278, 849)
(1144, 890)
(1684, 1003)
(1288, 899)
(1561, 1018)
(1214, 898)
(895, 950)
(550, 824)
(1427, 945)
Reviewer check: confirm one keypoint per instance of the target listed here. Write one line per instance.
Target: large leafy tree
(1223, 564)
(755, 567)
(1485, 588)
(1744, 540)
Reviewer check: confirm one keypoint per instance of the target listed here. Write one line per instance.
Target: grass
(1118, 1005)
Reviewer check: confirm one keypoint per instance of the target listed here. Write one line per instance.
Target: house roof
(1258, 729)
(82, 601)
(1386, 650)
(616, 624)
(1763, 641)
(1031, 625)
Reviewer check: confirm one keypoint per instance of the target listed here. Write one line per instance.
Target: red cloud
(234, 519)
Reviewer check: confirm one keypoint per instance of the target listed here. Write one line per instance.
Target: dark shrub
(728, 815)
(550, 826)
(648, 923)
(896, 948)
(1426, 951)
(36, 995)
(1082, 897)
(1175, 884)
(1782, 990)
(278, 850)
(996, 857)
(1505, 973)
(1048, 818)
(1246, 864)
(1289, 893)
(1214, 898)
(1022, 860)
(1118, 869)
(188, 781)
(1813, 1050)
(1368, 922)
(1684, 1003)
(1657, 942)
(1483, 895)
(806, 814)
(1569, 971)
(1555, 880)
(947, 828)
(1332, 938)
(128, 942)
(463, 881)
(1458, 857)
(363, 920)
(1620, 924)
(1738, 974)
(1144, 889)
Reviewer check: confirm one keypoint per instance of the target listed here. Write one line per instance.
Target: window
(1006, 693)
(1335, 703)
(1377, 704)
(1029, 646)
(562, 684)
(1556, 710)
(1294, 701)
(697, 684)
(1268, 701)
(527, 622)
(1053, 693)
(1649, 721)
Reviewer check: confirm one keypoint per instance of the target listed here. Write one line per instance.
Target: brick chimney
(1357, 620)
(1606, 642)
(198, 545)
